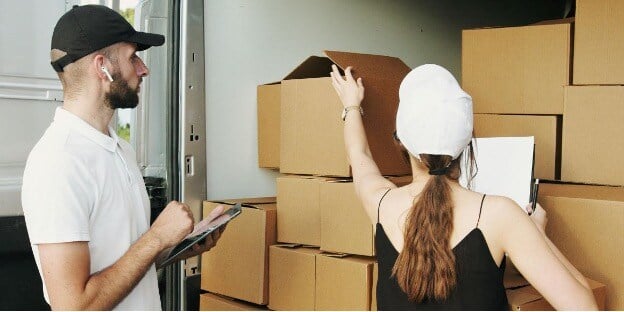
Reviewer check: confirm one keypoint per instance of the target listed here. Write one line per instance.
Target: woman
(440, 245)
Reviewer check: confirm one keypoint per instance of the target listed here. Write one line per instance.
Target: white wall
(28, 88)
(251, 42)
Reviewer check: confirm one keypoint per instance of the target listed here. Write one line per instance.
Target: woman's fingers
(336, 72)
(335, 83)
(348, 75)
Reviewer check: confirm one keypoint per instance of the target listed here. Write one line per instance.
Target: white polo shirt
(82, 185)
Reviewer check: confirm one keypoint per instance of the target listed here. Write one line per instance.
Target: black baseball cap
(88, 28)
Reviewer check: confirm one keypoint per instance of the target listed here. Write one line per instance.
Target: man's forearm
(105, 289)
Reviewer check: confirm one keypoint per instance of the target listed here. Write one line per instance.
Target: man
(84, 200)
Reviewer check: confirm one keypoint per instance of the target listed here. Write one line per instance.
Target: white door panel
(29, 88)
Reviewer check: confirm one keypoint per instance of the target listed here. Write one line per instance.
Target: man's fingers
(209, 240)
(217, 233)
(217, 211)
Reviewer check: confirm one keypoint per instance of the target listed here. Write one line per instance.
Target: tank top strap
(480, 208)
(379, 205)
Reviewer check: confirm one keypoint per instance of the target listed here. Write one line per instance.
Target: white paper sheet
(505, 167)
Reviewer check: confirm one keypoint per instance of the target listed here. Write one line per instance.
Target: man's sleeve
(58, 195)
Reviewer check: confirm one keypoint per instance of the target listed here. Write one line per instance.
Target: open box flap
(312, 67)
(369, 65)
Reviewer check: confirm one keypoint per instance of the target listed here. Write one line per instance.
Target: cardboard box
(545, 129)
(213, 302)
(299, 210)
(345, 225)
(374, 287)
(599, 42)
(292, 278)
(238, 266)
(593, 135)
(528, 299)
(343, 283)
(306, 279)
(269, 99)
(311, 137)
(585, 223)
(517, 70)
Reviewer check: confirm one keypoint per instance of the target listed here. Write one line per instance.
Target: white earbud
(107, 73)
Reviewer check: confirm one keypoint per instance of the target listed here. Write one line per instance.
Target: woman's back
(479, 276)
(446, 255)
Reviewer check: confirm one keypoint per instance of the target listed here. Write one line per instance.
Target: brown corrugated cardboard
(545, 129)
(343, 283)
(517, 70)
(292, 278)
(311, 138)
(599, 42)
(238, 265)
(528, 299)
(593, 135)
(213, 302)
(585, 223)
(374, 287)
(269, 97)
(345, 226)
(299, 210)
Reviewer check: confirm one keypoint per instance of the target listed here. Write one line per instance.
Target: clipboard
(504, 167)
(201, 230)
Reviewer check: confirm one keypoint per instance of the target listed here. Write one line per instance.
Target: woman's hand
(538, 217)
(350, 91)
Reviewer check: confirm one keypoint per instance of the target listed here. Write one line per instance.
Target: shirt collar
(68, 119)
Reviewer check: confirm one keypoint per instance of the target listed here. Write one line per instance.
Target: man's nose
(141, 69)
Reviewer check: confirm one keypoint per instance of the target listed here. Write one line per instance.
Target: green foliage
(128, 14)
(123, 131)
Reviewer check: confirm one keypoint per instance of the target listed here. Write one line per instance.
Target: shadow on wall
(491, 13)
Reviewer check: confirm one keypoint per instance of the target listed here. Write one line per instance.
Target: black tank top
(479, 280)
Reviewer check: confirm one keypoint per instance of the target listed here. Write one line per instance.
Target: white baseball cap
(435, 114)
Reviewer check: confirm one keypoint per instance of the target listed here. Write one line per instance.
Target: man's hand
(74, 287)
(209, 242)
(173, 224)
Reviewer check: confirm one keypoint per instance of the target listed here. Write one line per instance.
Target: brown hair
(425, 268)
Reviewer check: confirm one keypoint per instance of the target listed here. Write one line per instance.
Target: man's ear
(99, 62)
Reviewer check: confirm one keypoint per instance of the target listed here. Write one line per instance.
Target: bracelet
(350, 108)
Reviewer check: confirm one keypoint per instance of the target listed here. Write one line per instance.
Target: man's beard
(121, 95)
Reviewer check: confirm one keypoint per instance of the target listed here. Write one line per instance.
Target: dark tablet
(202, 229)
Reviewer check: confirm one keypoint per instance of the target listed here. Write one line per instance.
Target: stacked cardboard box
(238, 266)
(316, 202)
(585, 223)
(214, 302)
(268, 109)
(523, 297)
(594, 107)
(516, 77)
(598, 45)
(308, 279)
(593, 137)
(579, 97)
